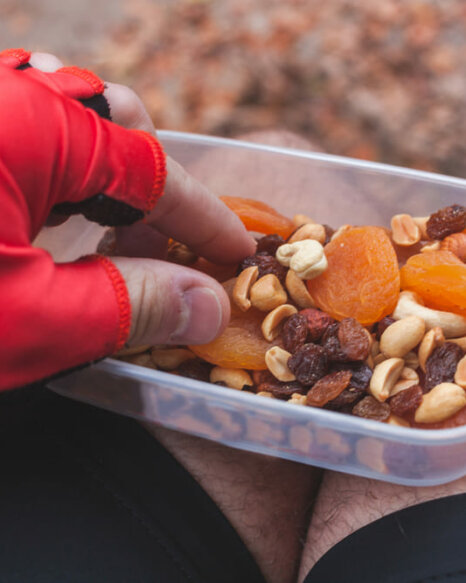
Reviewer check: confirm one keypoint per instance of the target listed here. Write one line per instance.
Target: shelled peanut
(327, 319)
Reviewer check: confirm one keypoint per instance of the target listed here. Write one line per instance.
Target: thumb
(172, 304)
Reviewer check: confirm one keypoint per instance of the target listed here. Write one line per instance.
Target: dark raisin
(269, 244)
(370, 408)
(441, 364)
(328, 388)
(281, 390)
(328, 233)
(380, 326)
(361, 373)
(354, 339)
(294, 332)
(332, 345)
(266, 264)
(317, 322)
(451, 219)
(346, 399)
(195, 369)
(262, 376)
(309, 363)
(406, 402)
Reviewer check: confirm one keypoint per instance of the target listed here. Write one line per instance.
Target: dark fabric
(103, 210)
(99, 104)
(421, 544)
(88, 496)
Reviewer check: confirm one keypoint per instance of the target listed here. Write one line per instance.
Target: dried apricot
(362, 279)
(439, 277)
(259, 217)
(241, 345)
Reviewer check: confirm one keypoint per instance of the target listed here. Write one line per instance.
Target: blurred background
(382, 81)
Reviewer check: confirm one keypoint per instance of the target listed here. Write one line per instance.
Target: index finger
(190, 213)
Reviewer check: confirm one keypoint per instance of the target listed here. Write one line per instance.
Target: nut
(408, 378)
(409, 374)
(402, 336)
(142, 359)
(435, 246)
(181, 254)
(384, 377)
(265, 394)
(410, 304)
(411, 360)
(460, 374)
(170, 358)
(235, 378)
(131, 350)
(405, 231)
(267, 293)
(300, 220)
(276, 359)
(340, 231)
(306, 258)
(309, 231)
(241, 290)
(398, 421)
(297, 399)
(443, 401)
(298, 290)
(433, 338)
(378, 358)
(460, 341)
(421, 223)
(271, 323)
(455, 243)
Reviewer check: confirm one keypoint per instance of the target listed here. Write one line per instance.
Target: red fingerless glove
(54, 151)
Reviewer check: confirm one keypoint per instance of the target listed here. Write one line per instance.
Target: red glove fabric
(55, 151)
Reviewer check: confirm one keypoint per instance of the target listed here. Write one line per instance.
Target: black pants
(87, 496)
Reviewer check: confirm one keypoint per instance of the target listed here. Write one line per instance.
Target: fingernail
(201, 319)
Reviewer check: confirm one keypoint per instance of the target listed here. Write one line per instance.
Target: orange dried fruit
(242, 344)
(362, 280)
(259, 217)
(439, 278)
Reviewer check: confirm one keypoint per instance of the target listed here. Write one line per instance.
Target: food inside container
(331, 191)
(361, 320)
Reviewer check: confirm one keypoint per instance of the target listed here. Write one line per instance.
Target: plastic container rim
(346, 422)
(212, 141)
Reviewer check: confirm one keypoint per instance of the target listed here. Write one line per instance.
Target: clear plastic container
(332, 190)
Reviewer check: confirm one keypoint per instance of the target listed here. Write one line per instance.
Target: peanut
(170, 358)
(405, 232)
(384, 377)
(267, 293)
(440, 403)
(402, 336)
(433, 338)
(276, 359)
(309, 231)
(460, 374)
(235, 378)
(271, 323)
(241, 290)
(298, 290)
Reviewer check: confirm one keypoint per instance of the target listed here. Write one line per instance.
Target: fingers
(45, 62)
(172, 304)
(193, 215)
(127, 109)
(140, 240)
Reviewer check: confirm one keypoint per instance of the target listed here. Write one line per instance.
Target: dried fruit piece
(354, 340)
(441, 364)
(309, 364)
(294, 332)
(456, 244)
(380, 327)
(331, 343)
(317, 322)
(361, 373)
(407, 401)
(195, 369)
(260, 217)
(281, 390)
(448, 220)
(439, 278)
(370, 408)
(362, 279)
(346, 399)
(266, 265)
(269, 244)
(241, 345)
(328, 388)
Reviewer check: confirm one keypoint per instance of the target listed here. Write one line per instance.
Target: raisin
(294, 332)
(441, 364)
(269, 244)
(406, 401)
(370, 408)
(354, 339)
(262, 376)
(380, 326)
(309, 363)
(328, 388)
(451, 219)
(328, 233)
(195, 369)
(346, 399)
(361, 373)
(317, 322)
(266, 264)
(332, 345)
(281, 390)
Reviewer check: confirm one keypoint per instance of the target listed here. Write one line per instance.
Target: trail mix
(363, 320)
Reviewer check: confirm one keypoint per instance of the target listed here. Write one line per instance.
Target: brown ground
(384, 80)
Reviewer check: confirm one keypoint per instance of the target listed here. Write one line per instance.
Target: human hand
(58, 152)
